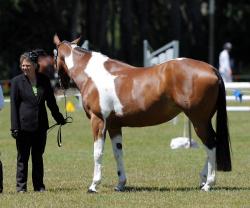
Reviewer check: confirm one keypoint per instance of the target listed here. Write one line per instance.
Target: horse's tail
(223, 144)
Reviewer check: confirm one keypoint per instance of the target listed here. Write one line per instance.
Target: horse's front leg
(116, 139)
(99, 132)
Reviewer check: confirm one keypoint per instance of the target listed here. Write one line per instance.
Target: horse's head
(62, 51)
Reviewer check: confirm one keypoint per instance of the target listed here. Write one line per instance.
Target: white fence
(165, 53)
(244, 87)
(230, 86)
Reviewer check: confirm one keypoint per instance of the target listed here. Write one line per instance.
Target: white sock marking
(98, 153)
(118, 153)
(203, 174)
(211, 167)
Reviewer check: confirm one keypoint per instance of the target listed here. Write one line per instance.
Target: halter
(55, 52)
(33, 56)
(68, 119)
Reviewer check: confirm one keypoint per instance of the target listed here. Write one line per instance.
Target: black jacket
(28, 112)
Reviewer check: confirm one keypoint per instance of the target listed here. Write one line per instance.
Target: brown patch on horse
(91, 99)
(56, 40)
(116, 67)
(190, 80)
(97, 127)
(135, 86)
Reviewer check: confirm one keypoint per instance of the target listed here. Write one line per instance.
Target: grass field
(157, 175)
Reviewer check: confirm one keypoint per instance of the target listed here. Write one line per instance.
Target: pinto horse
(116, 95)
(46, 63)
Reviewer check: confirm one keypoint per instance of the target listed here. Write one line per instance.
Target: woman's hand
(15, 133)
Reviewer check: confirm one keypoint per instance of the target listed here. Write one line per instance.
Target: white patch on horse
(180, 59)
(105, 84)
(69, 59)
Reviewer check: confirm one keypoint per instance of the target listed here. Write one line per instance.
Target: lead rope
(68, 119)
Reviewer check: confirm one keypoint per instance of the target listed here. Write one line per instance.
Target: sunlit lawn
(157, 175)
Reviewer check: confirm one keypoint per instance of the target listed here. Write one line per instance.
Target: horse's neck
(92, 67)
(79, 77)
(77, 73)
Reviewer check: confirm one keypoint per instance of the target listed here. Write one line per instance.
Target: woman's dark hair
(40, 52)
(31, 56)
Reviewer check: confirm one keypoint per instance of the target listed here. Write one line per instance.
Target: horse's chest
(105, 85)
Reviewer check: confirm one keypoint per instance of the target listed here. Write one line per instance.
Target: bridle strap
(68, 119)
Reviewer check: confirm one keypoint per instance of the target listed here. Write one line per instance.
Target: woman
(1, 167)
(29, 121)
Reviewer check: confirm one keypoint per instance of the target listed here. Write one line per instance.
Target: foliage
(157, 175)
(117, 28)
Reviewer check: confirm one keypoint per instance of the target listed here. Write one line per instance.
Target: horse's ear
(76, 41)
(56, 39)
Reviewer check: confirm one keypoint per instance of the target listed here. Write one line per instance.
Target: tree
(117, 27)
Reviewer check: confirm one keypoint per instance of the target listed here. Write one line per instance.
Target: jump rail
(228, 86)
(238, 86)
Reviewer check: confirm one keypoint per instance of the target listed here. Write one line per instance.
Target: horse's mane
(84, 50)
(80, 49)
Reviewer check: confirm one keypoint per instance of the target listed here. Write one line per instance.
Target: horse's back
(156, 94)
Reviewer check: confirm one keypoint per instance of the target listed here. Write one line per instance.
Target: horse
(46, 63)
(116, 94)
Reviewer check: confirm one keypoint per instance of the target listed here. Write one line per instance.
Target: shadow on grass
(64, 189)
(223, 188)
(180, 189)
(160, 189)
(134, 189)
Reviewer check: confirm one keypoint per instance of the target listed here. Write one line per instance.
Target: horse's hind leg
(116, 139)
(203, 174)
(206, 133)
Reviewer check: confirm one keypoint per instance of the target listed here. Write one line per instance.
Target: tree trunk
(126, 26)
(75, 23)
(91, 21)
(175, 20)
(102, 29)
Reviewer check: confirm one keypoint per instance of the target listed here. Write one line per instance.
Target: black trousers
(30, 143)
(1, 177)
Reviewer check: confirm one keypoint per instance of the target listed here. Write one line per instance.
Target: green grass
(157, 175)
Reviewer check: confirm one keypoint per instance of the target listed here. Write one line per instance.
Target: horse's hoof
(121, 186)
(206, 188)
(90, 191)
(202, 184)
(119, 189)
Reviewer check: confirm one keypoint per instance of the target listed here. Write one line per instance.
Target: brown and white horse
(116, 95)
